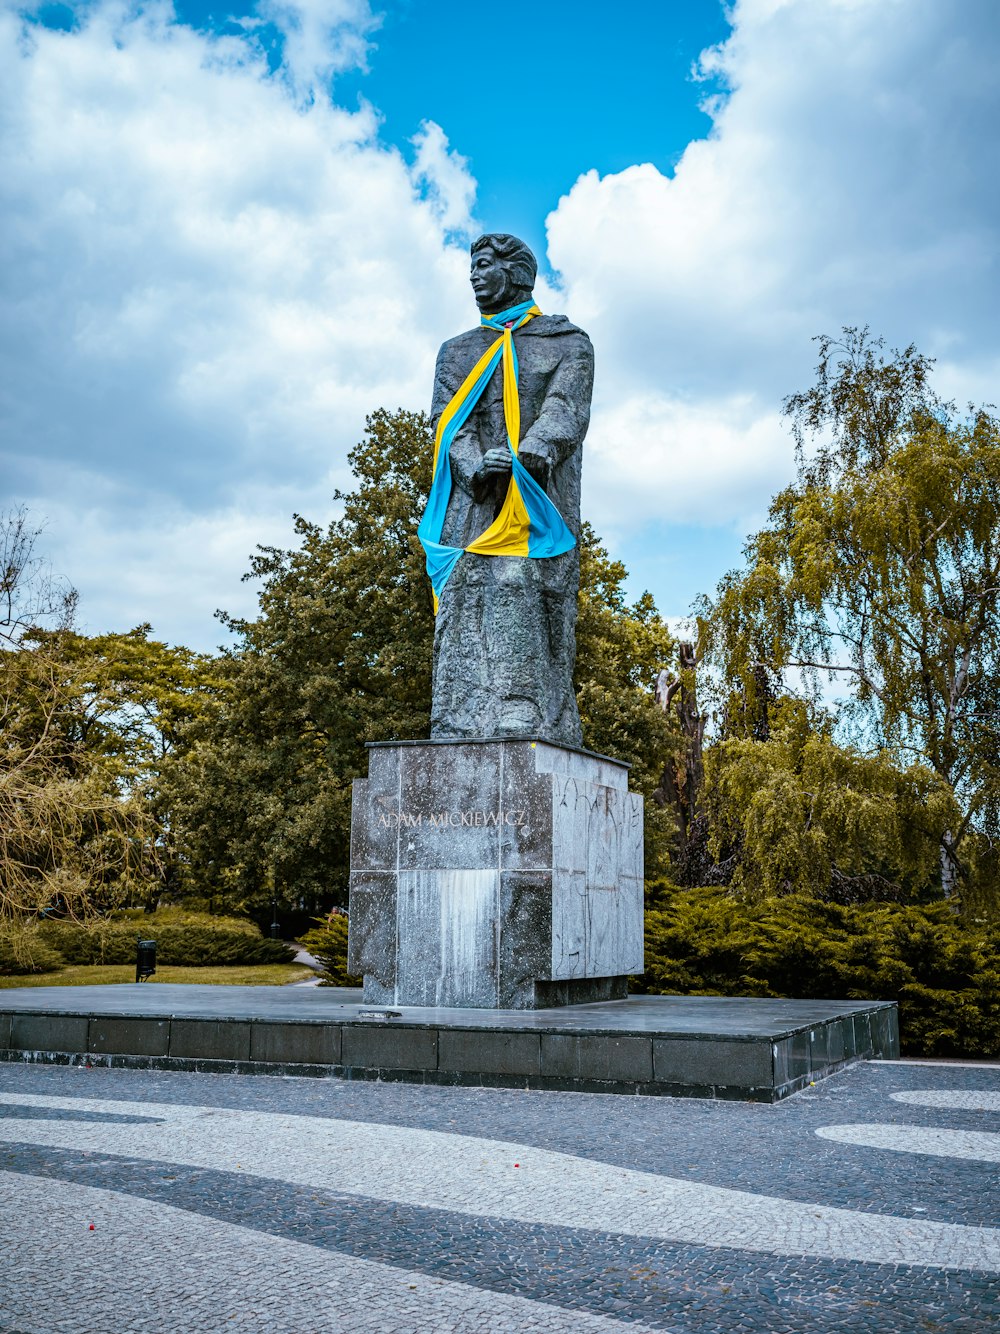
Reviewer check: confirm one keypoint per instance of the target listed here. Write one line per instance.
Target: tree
(339, 655)
(879, 569)
(681, 788)
(30, 595)
(805, 814)
(621, 649)
(134, 701)
(70, 840)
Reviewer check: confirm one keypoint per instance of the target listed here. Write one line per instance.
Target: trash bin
(145, 959)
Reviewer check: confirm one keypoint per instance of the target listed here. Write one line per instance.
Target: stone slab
(472, 1050)
(483, 872)
(703, 1046)
(619, 1059)
(49, 1032)
(212, 1039)
(275, 1043)
(383, 1046)
(129, 1036)
(722, 1063)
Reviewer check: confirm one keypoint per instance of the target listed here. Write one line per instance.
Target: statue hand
(536, 464)
(496, 462)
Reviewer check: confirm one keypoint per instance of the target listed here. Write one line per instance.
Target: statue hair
(518, 259)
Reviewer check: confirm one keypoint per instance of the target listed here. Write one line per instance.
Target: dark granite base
(579, 991)
(695, 1046)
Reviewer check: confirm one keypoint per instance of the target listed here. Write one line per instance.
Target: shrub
(327, 941)
(192, 939)
(23, 950)
(942, 970)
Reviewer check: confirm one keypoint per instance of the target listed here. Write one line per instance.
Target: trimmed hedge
(327, 941)
(942, 970)
(192, 939)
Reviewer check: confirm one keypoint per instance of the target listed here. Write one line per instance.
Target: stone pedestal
(502, 874)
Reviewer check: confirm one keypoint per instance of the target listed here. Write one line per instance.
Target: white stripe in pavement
(980, 1145)
(149, 1267)
(938, 1063)
(476, 1177)
(962, 1100)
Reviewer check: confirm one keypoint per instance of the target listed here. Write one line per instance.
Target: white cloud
(851, 177)
(208, 286)
(445, 173)
(648, 457)
(321, 37)
(170, 557)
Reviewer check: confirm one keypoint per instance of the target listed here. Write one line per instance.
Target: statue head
(503, 272)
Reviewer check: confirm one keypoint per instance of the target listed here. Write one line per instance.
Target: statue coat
(505, 637)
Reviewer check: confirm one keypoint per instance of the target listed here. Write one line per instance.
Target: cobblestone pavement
(144, 1201)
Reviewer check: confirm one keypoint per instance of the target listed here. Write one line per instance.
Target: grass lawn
(237, 975)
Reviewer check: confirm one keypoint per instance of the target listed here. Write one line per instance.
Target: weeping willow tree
(876, 577)
(71, 840)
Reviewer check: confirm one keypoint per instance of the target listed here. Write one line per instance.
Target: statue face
(491, 281)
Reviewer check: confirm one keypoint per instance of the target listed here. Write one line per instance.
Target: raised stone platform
(696, 1046)
(503, 873)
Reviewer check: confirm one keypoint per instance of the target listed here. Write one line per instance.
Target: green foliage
(136, 699)
(339, 655)
(807, 813)
(620, 650)
(112, 974)
(85, 723)
(943, 971)
(71, 835)
(879, 568)
(67, 836)
(135, 696)
(195, 939)
(327, 941)
(23, 950)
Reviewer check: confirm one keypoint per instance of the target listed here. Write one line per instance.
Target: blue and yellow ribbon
(528, 523)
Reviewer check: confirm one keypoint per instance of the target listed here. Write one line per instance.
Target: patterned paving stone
(981, 1146)
(152, 1268)
(310, 1205)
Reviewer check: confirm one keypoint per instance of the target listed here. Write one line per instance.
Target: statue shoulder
(473, 340)
(554, 326)
(457, 353)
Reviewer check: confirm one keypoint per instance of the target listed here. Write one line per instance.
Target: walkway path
(866, 1204)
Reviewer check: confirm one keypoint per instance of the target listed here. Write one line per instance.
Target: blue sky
(229, 234)
(581, 85)
(608, 87)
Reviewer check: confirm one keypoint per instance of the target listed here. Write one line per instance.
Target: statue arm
(560, 426)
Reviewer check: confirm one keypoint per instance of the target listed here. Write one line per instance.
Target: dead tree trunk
(683, 776)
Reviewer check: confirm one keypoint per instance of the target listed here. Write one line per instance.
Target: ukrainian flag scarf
(528, 523)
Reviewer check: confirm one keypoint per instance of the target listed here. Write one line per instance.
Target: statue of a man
(511, 407)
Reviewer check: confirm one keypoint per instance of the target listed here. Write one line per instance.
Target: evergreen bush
(183, 938)
(327, 941)
(941, 969)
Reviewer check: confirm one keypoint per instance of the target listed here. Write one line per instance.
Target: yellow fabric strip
(507, 535)
(460, 397)
(511, 400)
